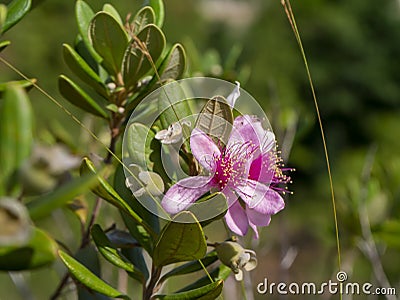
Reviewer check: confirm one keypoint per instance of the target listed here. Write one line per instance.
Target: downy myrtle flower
(247, 171)
(236, 257)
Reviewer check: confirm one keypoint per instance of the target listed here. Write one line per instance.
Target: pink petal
(236, 219)
(257, 218)
(248, 128)
(204, 149)
(260, 197)
(261, 169)
(185, 192)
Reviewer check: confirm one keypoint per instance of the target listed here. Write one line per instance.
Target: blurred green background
(353, 50)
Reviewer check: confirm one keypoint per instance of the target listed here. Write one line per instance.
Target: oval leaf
(40, 250)
(16, 118)
(216, 119)
(108, 8)
(209, 291)
(182, 239)
(136, 62)
(144, 17)
(16, 10)
(158, 7)
(138, 153)
(78, 97)
(110, 40)
(84, 14)
(87, 278)
(173, 65)
(81, 69)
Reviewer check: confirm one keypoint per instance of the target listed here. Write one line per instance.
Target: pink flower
(247, 170)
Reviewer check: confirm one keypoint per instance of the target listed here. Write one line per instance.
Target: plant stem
(152, 286)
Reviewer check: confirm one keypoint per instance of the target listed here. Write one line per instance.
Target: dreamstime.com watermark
(341, 287)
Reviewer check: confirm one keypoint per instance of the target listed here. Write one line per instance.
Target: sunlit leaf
(182, 239)
(4, 44)
(16, 10)
(110, 40)
(87, 278)
(209, 291)
(26, 84)
(136, 62)
(78, 97)
(139, 153)
(111, 253)
(158, 7)
(39, 251)
(108, 8)
(80, 68)
(216, 119)
(84, 14)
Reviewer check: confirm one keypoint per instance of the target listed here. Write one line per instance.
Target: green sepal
(78, 97)
(87, 278)
(182, 239)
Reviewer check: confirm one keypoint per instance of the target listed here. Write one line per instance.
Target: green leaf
(209, 291)
(106, 191)
(111, 253)
(110, 41)
(4, 44)
(39, 251)
(136, 63)
(3, 16)
(44, 205)
(173, 65)
(78, 97)
(16, 125)
(144, 17)
(26, 84)
(158, 7)
(108, 8)
(389, 233)
(16, 10)
(220, 273)
(192, 266)
(87, 278)
(84, 14)
(136, 230)
(139, 153)
(216, 119)
(80, 68)
(182, 239)
(216, 203)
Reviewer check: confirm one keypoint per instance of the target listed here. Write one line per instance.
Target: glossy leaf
(209, 291)
(216, 202)
(139, 153)
(136, 62)
(191, 267)
(78, 97)
(107, 192)
(4, 44)
(216, 119)
(16, 122)
(158, 7)
(110, 40)
(174, 64)
(39, 251)
(111, 253)
(220, 273)
(81, 69)
(16, 10)
(108, 8)
(44, 205)
(87, 278)
(182, 239)
(144, 17)
(84, 14)
(135, 228)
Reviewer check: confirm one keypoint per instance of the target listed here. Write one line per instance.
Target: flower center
(230, 166)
